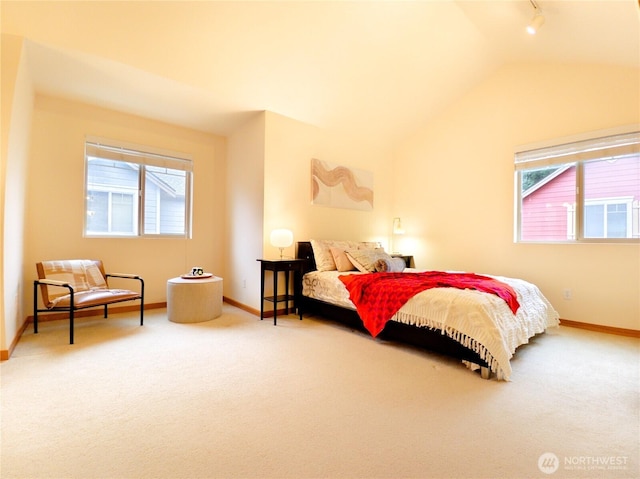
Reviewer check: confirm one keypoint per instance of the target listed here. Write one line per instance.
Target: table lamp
(281, 238)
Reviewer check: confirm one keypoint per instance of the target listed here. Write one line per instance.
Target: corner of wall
(16, 112)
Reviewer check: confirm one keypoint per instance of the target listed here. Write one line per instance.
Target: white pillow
(322, 253)
(368, 244)
(364, 259)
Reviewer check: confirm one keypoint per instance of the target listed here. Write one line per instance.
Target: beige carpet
(240, 398)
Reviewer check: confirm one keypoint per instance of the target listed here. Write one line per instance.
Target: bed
(477, 327)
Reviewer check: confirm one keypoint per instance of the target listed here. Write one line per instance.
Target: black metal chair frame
(72, 308)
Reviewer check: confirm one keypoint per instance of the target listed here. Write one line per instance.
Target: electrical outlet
(244, 283)
(567, 294)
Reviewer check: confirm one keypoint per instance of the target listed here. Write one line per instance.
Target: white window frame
(143, 156)
(622, 200)
(110, 190)
(613, 143)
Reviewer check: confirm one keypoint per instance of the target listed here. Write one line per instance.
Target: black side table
(287, 266)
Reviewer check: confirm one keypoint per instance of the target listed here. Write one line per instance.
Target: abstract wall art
(341, 187)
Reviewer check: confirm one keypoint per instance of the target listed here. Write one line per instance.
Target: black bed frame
(420, 337)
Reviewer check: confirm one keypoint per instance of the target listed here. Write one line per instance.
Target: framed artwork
(341, 187)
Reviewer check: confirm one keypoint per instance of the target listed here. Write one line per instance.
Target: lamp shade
(397, 227)
(535, 23)
(281, 238)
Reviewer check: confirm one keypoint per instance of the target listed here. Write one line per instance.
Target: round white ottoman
(194, 300)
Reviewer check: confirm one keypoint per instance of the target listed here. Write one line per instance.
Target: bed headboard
(305, 251)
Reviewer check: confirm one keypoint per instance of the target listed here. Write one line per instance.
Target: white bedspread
(480, 321)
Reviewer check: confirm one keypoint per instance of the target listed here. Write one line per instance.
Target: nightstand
(287, 266)
(408, 260)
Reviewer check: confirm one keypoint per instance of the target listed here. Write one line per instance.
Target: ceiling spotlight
(537, 20)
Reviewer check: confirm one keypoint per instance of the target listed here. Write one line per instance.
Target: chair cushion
(96, 297)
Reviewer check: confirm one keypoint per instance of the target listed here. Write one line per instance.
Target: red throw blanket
(378, 296)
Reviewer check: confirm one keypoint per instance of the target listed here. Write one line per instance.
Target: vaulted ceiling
(374, 68)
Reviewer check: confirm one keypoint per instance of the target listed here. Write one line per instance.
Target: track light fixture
(537, 20)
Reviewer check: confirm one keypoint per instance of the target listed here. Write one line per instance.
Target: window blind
(117, 152)
(607, 147)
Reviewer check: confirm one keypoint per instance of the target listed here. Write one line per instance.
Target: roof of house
(547, 179)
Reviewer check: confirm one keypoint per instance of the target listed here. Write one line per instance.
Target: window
(607, 219)
(131, 192)
(586, 190)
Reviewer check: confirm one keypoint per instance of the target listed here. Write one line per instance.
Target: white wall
(269, 186)
(451, 182)
(290, 147)
(17, 105)
(245, 212)
(458, 202)
(56, 196)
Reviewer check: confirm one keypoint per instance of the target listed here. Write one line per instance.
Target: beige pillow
(364, 259)
(340, 258)
(322, 253)
(324, 257)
